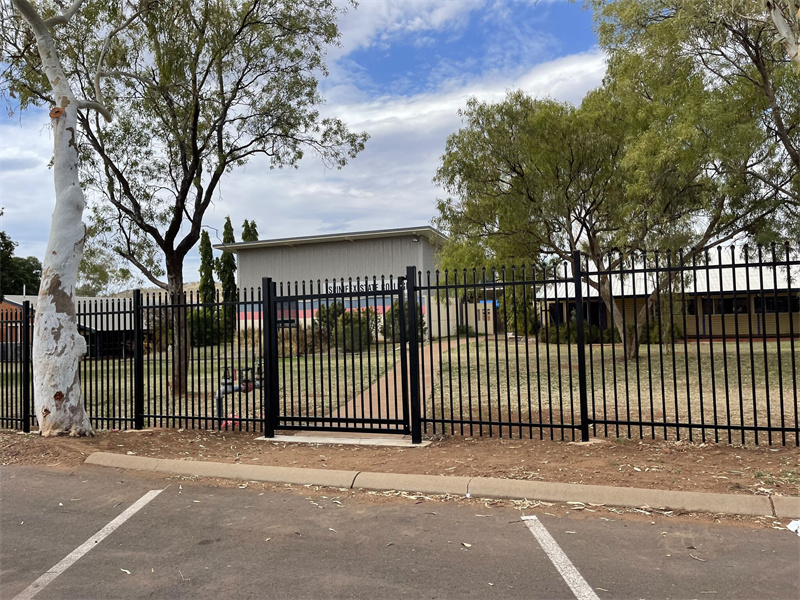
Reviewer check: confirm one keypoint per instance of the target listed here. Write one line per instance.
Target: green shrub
(465, 330)
(517, 315)
(209, 326)
(355, 330)
(390, 328)
(328, 316)
(652, 334)
(558, 334)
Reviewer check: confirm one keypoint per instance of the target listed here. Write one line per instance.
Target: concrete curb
(614, 496)
(786, 507)
(477, 487)
(323, 477)
(425, 484)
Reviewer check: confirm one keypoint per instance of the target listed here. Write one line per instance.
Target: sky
(401, 73)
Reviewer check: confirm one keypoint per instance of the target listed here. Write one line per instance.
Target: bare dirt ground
(621, 462)
(720, 468)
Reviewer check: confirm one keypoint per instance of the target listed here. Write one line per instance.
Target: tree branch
(98, 93)
(91, 104)
(64, 17)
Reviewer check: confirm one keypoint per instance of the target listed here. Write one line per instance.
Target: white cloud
(389, 185)
(26, 183)
(375, 23)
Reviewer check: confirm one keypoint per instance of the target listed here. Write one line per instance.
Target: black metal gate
(337, 356)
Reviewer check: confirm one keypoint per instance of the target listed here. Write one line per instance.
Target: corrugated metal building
(364, 254)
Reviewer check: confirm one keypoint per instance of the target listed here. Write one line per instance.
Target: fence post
(27, 366)
(413, 356)
(138, 360)
(401, 286)
(584, 397)
(269, 329)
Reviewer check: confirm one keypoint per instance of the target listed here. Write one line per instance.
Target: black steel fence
(698, 346)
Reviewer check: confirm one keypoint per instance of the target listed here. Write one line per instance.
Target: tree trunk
(181, 340)
(58, 348)
(629, 338)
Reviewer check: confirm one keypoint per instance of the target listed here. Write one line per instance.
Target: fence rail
(698, 346)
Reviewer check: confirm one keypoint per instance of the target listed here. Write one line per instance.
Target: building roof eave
(434, 237)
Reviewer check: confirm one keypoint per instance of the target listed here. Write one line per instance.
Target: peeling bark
(58, 348)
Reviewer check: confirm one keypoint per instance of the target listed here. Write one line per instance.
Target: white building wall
(334, 260)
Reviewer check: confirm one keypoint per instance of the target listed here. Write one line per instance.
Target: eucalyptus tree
(785, 15)
(34, 37)
(529, 180)
(197, 88)
(714, 76)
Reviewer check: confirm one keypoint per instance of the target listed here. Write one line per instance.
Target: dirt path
(647, 464)
(383, 399)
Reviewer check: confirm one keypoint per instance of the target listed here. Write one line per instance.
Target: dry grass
(705, 384)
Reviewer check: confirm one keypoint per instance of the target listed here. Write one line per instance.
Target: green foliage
(653, 334)
(390, 327)
(249, 231)
(196, 89)
(17, 274)
(517, 312)
(710, 88)
(465, 330)
(226, 265)
(207, 290)
(522, 174)
(209, 326)
(355, 330)
(327, 316)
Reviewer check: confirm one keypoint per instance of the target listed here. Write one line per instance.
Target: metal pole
(270, 350)
(584, 397)
(27, 366)
(413, 356)
(138, 360)
(401, 286)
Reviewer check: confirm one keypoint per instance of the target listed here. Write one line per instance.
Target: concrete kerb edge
(786, 507)
(122, 461)
(474, 487)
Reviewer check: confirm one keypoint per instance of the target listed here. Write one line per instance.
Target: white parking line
(38, 585)
(569, 573)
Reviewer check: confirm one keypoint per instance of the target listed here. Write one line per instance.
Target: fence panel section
(339, 355)
(699, 346)
(16, 367)
(202, 363)
(496, 362)
(705, 345)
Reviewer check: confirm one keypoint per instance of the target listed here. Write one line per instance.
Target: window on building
(781, 304)
(725, 306)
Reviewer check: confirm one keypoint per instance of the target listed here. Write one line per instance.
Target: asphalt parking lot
(197, 540)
